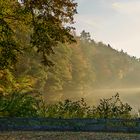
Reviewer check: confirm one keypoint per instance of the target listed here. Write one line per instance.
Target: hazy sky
(116, 22)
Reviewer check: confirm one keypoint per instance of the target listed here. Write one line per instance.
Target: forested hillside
(76, 68)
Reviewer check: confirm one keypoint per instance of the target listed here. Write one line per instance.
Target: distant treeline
(76, 67)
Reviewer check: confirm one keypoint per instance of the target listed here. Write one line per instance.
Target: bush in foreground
(107, 108)
(28, 105)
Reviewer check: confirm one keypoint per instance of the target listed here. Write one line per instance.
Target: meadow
(67, 136)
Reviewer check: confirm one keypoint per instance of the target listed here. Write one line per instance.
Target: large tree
(40, 23)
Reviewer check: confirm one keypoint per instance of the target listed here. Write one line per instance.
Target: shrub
(113, 108)
(107, 108)
(68, 109)
(18, 104)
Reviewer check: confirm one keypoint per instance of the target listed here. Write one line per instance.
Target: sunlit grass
(67, 136)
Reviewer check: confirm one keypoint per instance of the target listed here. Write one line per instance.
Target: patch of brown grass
(66, 136)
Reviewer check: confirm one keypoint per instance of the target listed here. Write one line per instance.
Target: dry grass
(66, 136)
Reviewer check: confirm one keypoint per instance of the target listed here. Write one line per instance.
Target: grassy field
(66, 136)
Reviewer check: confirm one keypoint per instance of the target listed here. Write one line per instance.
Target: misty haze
(71, 66)
(87, 49)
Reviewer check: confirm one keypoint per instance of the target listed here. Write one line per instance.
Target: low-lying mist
(93, 96)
